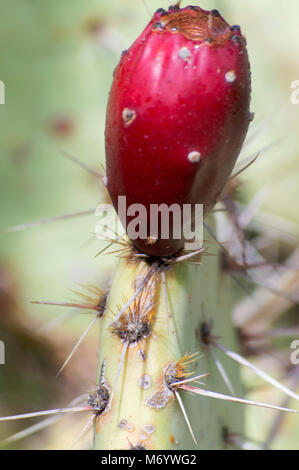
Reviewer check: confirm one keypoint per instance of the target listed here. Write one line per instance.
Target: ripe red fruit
(177, 116)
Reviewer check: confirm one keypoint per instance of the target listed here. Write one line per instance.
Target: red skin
(181, 105)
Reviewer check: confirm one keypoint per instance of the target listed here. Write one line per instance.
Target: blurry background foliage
(56, 60)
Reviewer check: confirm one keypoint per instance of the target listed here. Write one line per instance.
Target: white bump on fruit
(230, 76)
(194, 157)
(184, 53)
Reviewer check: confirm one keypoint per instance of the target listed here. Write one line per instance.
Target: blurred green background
(56, 61)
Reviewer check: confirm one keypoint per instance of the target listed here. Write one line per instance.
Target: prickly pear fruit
(177, 116)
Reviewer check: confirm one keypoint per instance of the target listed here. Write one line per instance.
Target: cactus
(165, 323)
(143, 411)
(178, 114)
(196, 49)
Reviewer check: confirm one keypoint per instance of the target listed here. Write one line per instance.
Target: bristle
(45, 413)
(48, 221)
(41, 425)
(185, 416)
(241, 360)
(83, 431)
(76, 346)
(142, 286)
(222, 372)
(220, 396)
(82, 164)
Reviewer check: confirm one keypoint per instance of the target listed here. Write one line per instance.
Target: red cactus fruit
(177, 116)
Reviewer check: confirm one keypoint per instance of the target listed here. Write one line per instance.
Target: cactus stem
(163, 277)
(135, 325)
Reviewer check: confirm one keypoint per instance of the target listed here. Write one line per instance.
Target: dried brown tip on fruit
(197, 24)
